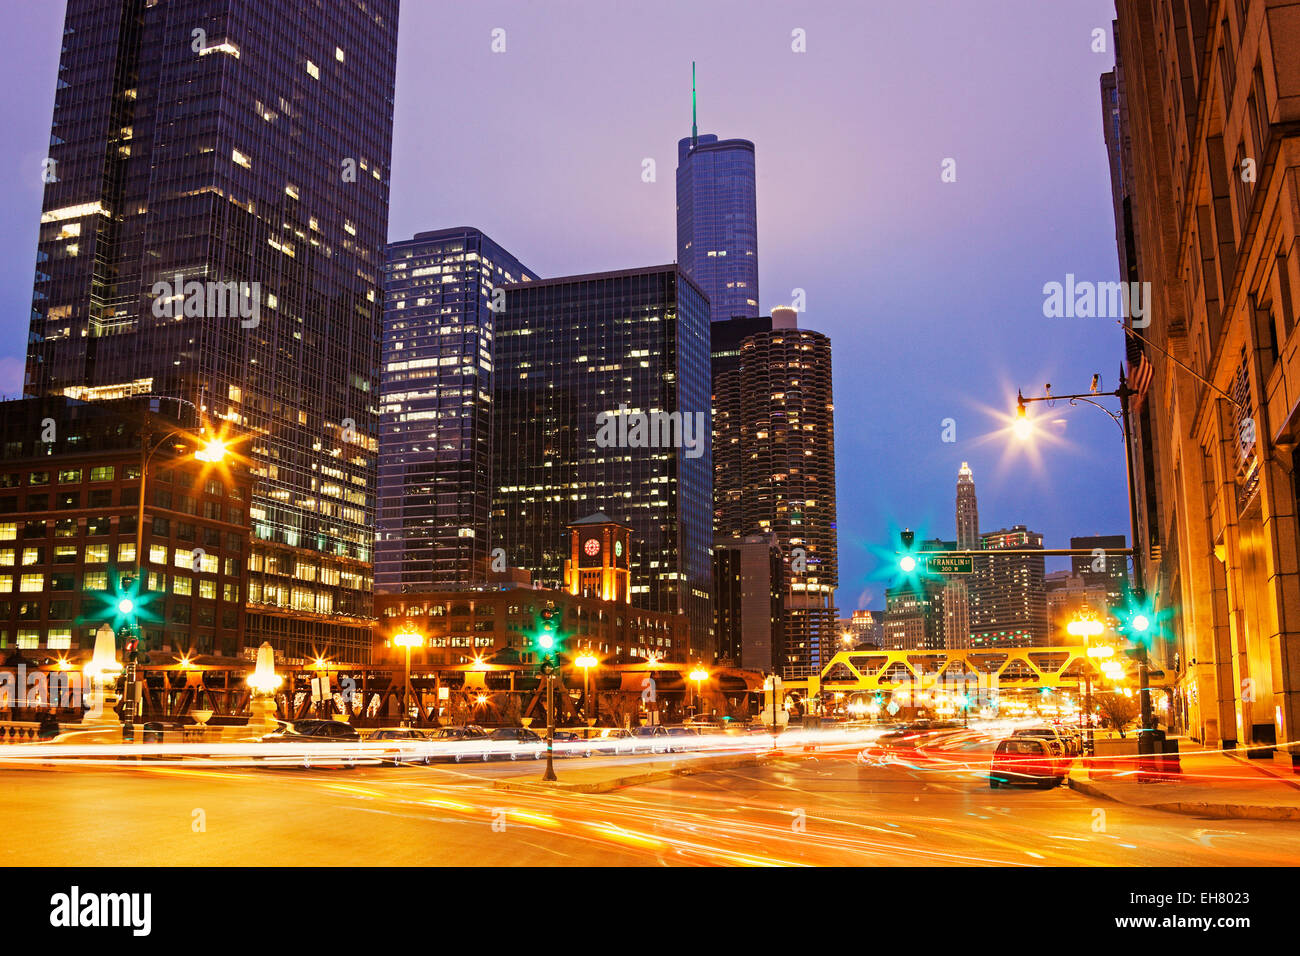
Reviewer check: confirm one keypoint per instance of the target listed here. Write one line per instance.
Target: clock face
(592, 547)
(618, 549)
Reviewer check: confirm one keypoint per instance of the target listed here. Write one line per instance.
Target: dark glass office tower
(579, 354)
(717, 222)
(197, 143)
(435, 432)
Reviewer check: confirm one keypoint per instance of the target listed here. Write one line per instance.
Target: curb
(1224, 811)
(707, 765)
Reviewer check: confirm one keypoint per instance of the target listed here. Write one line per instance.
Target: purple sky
(931, 292)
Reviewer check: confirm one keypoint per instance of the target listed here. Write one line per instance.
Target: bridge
(1004, 669)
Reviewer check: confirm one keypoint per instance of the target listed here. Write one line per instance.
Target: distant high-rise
(774, 444)
(435, 437)
(717, 219)
(1008, 601)
(602, 404)
(956, 595)
(213, 229)
(1104, 569)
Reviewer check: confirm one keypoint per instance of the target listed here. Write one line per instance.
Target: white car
(1051, 735)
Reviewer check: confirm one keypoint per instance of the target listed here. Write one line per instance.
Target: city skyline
(496, 189)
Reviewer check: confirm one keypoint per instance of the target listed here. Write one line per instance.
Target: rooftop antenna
(695, 136)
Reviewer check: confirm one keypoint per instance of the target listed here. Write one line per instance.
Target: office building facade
(213, 229)
(1208, 151)
(1008, 602)
(602, 404)
(435, 431)
(717, 222)
(749, 602)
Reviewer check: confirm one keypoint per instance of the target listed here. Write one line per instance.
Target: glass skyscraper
(717, 222)
(199, 143)
(435, 439)
(578, 351)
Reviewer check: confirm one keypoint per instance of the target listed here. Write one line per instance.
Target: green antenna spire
(695, 136)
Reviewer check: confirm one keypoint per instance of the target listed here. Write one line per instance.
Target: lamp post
(586, 662)
(264, 682)
(1088, 628)
(406, 640)
(1024, 429)
(699, 675)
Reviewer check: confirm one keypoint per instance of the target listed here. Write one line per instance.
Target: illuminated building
(254, 152)
(1202, 131)
(68, 510)
(717, 220)
(435, 438)
(1008, 604)
(599, 562)
(575, 356)
(774, 447)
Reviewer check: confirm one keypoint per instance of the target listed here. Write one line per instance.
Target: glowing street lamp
(407, 639)
(699, 675)
(587, 661)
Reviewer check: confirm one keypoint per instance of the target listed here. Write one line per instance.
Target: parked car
(1026, 759)
(460, 743)
(569, 744)
(401, 755)
(515, 742)
(613, 740)
(314, 730)
(684, 738)
(314, 733)
(651, 738)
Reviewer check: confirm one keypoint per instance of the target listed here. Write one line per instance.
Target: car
(515, 742)
(1073, 739)
(1026, 759)
(569, 744)
(613, 740)
(460, 743)
(401, 755)
(313, 732)
(684, 738)
(1049, 734)
(651, 738)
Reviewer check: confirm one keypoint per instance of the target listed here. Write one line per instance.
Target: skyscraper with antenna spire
(717, 218)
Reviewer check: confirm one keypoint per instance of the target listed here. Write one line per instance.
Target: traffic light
(908, 563)
(547, 637)
(1138, 619)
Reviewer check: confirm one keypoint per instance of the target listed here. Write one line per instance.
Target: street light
(1088, 628)
(699, 675)
(407, 639)
(1146, 736)
(586, 662)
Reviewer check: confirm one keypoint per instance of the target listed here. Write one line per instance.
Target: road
(824, 809)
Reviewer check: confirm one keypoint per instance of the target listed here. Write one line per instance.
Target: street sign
(949, 563)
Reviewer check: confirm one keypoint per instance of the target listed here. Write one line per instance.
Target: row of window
(73, 476)
(104, 581)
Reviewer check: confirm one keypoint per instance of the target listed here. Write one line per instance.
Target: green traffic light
(907, 563)
(125, 606)
(546, 640)
(1140, 623)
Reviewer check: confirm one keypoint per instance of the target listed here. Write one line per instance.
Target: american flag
(1139, 379)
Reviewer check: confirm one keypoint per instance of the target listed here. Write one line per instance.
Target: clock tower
(599, 564)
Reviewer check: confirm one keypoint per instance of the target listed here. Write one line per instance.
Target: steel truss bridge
(1004, 669)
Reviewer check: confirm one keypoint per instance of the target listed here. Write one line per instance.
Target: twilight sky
(931, 292)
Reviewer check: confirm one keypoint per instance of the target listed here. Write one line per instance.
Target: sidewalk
(577, 779)
(1212, 784)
